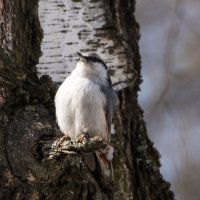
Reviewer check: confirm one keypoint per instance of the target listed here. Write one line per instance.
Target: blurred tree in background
(170, 92)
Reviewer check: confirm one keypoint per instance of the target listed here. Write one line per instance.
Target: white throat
(95, 72)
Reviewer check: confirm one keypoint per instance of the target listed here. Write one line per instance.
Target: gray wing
(111, 102)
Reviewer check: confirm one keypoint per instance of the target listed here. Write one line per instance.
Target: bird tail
(105, 160)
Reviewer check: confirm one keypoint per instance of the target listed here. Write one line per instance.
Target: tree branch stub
(77, 147)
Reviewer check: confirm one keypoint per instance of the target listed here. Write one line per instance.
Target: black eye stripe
(96, 58)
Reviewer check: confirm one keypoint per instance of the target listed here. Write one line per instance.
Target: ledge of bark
(75, 147)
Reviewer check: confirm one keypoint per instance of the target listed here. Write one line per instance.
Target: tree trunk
(27, 119)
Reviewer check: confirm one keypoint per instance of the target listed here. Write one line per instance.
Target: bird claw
(83, 138)
(59, 141)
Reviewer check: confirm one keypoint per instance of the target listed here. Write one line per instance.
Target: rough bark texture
(27, 120)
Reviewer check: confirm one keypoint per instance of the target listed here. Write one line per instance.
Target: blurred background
(170, 92)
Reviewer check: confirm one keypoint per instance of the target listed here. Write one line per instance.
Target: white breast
(80, 108)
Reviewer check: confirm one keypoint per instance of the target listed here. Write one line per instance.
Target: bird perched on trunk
(85, 103)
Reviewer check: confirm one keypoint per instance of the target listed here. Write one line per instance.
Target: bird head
(93, 64)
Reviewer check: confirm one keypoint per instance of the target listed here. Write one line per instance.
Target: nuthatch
(85, 103)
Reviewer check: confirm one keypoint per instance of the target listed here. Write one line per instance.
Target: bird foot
(83, 138)
(59, 141)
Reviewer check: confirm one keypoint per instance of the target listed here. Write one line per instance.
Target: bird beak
(82, 57)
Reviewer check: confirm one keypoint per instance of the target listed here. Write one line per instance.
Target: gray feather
(111, 101)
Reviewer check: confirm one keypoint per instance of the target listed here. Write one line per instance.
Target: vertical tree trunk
(27, 118)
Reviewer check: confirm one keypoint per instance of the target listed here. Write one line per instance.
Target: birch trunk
(27, 119)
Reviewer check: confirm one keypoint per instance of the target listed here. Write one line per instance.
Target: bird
(85, 103)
